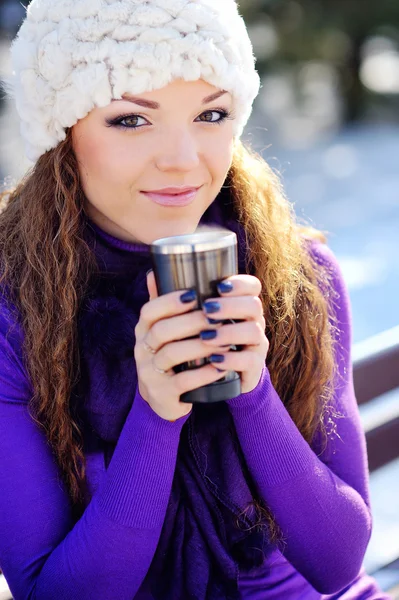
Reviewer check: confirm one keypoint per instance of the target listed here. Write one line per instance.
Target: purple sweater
(320, 498)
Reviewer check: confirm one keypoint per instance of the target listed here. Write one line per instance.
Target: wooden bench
(375, 372)
(376, 378)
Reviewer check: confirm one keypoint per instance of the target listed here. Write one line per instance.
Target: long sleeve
(319, 498)
(107, 553)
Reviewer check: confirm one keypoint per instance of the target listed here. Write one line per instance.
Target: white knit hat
(72, 55)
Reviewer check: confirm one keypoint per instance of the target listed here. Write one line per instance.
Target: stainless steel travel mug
(199, 261)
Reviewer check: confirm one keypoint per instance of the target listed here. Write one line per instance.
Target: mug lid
(203, 239)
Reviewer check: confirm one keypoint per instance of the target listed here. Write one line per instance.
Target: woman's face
(184, 139)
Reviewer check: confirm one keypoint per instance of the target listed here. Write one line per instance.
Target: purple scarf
(199, 542)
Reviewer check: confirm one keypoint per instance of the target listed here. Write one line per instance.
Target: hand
(163, 325)
(242, 302)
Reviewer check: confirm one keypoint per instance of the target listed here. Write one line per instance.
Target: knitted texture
(70, 56)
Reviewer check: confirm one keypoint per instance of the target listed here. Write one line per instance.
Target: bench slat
(383, 444)
(376, 365)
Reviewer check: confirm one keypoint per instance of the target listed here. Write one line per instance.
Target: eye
(126, 122)
(221, 113)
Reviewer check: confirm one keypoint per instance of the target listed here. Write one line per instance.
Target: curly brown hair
(47, 266)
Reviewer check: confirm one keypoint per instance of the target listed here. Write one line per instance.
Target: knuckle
(166, 354)
(257, 303)
(137, 353)
(140, 354)
(156, 335)
(255, 283)
(258, 307)
(248, 360)
(139, 331)
(260, 334)
(144, 312)
(259, 285)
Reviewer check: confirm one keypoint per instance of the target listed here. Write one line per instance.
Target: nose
(178, 151)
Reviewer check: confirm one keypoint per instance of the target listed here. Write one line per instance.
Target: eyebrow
(156, 105)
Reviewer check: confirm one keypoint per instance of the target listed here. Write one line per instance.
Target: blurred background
(327, 119)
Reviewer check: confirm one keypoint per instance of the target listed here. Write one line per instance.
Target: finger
(248, 333)
(178, 328)
(181, 352)
(162, 307)
(246, 360)
(242, 307)
(195, 378)
(242, 285)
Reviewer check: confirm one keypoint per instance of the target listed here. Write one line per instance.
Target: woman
(111, 487)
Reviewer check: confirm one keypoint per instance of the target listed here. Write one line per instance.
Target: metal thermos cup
(199, 261)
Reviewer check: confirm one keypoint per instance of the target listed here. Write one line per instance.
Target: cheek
(220, 156)
(102, 158)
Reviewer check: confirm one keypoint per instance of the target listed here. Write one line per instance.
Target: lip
(176, 197)
(173, 190)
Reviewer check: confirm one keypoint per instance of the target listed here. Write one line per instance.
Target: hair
(47, 268)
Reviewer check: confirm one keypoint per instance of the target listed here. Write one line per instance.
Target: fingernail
(208, 334)
(189, 296)
(224, 287)
(217, 358)
(212, 307)
(149, 271)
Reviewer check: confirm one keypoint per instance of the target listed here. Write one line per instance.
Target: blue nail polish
(217, 358)
(212, 307)
(225, 287)
(189, 296)
(208, 334)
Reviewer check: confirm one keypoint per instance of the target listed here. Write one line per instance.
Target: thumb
(151, 285)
